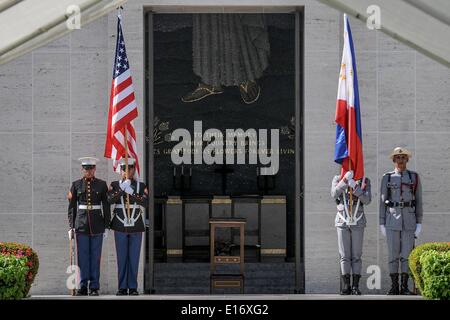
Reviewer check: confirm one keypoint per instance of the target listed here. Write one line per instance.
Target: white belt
(132, 206)
(89, 207)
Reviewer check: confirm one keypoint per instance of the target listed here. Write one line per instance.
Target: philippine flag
(348, 148)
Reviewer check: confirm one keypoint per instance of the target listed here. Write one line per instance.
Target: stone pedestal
(273, 228)
(221, 208)
(248, 208)
(173, 225)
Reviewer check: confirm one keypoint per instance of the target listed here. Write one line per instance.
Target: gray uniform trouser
(400, 245)
(350, 241)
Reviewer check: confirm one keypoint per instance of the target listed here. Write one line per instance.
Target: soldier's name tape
(89, 207)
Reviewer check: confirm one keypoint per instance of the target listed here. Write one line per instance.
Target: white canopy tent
(28, 24)
(421, 24)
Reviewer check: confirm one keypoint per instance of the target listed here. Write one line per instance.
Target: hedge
(13, 272)
(425, 262)
(32, 260)
(436, 274)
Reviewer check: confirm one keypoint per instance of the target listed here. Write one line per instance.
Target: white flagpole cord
(349, 218)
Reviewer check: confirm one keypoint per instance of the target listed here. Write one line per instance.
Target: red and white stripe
(122, 112)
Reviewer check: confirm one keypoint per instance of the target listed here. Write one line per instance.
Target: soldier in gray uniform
(350, 227)
(400, 217)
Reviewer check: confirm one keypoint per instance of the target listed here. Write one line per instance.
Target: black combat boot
(345, 284)
(133, 292)
(83, 291)
(122, 292)
(94, 293)
(404, 286)
(355, 284)
(394, 286)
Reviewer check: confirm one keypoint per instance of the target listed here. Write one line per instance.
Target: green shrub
(13, 272)
(32, 260)
(414, 260)
(436, 274)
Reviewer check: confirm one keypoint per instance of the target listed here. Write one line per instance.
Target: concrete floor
(231, 297)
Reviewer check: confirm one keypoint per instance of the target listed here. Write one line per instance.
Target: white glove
(129, 190)
(70, 233)
(352, 183)
(105, 234)
(125, 184)
(348, 175)
(418, 229)
(383, 230)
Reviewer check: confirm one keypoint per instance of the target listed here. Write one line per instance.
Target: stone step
(247, 275)
(205, 290)
(162, 267)
(206, 296)
(206, 278)
(205, 282)
(194, 278)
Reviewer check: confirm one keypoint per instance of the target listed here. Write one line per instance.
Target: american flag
(122, 107)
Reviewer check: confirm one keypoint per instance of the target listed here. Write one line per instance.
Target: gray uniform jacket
(338, 187)
(400, 189)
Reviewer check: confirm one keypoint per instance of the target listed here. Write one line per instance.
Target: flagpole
(351, 192)
(119, 15)
(126, 172)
